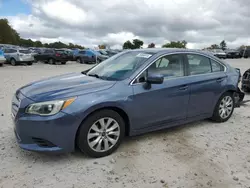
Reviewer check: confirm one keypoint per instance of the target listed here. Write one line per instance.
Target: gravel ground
(200, 154)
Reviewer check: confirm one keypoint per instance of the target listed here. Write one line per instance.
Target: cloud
(90, 23)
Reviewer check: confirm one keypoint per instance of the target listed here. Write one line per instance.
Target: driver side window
(170, 66)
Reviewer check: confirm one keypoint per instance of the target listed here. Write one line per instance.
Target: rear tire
(29, 63)
(224, 108)
(98, 141)
(63, 63)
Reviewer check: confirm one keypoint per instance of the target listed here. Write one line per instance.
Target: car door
(83, 56)
(91, 56)
(161, 103)
(207, 81)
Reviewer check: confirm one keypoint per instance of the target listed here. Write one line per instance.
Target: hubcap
(103, 134)
(226, 107)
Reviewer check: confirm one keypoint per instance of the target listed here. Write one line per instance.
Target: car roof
(169, 50)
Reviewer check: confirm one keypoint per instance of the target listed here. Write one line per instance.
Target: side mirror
(155, 79)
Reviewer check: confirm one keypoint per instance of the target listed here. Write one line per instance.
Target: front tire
(13, 62)
(101, 133)
(29, 63)
(224, 108)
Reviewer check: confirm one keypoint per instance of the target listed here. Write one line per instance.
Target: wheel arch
(115, 108)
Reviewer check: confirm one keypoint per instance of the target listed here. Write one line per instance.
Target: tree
(177, 44)
(151, 45)
(137, 43)
(223, 45)
(7, 34)
(127, 45)
(214, 46)
(38, 44)
(102, 46)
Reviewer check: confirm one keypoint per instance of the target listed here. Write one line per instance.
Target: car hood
(64, 86)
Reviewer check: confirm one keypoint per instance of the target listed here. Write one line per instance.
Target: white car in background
(18, 56)
(2, 58)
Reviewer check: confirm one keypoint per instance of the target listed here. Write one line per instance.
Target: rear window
(61, 52)
(24, 51)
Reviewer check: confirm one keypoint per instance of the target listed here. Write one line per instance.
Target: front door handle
(185, 87)
(220, 79)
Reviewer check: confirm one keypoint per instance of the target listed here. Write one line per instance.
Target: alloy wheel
(226, 107)
(103, 134)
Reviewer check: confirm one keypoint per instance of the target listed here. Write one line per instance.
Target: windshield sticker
(144, 55)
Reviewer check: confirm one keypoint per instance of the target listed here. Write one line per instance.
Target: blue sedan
(131, 93)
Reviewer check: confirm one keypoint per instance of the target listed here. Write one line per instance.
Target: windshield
(103, 52)
(96, 52)
(120, 66)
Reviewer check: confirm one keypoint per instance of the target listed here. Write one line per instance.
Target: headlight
(48, 108)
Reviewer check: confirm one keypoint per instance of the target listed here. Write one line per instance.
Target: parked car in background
(90, 56)
(69, 53)
(52, 56)
(111, 52)
(219, 53)
(246, 81)
(245, 52)
(230, 53)
(131, 93)
(2, 58)
(18, 56)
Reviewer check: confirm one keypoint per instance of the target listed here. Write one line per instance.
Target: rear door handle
(185, 87)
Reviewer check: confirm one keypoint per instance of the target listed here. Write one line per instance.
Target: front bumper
(46, 134)
(28, 59)
(43, 133)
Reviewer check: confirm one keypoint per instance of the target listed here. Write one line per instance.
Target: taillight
(58, 55)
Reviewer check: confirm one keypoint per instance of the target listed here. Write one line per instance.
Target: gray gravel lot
(200, 154)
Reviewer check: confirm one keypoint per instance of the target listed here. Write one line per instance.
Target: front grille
(43, 143)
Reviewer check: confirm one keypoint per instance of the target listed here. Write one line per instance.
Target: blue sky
(13, 7)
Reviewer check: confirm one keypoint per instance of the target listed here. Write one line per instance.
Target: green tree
(175, 44)
(214, 46)
(7, 34)
(127, 45)
(137, 44)
(223, 45)
(151, 45)
(38, 44)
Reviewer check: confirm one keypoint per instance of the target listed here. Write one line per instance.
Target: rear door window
(198, 64)
(216, 67)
